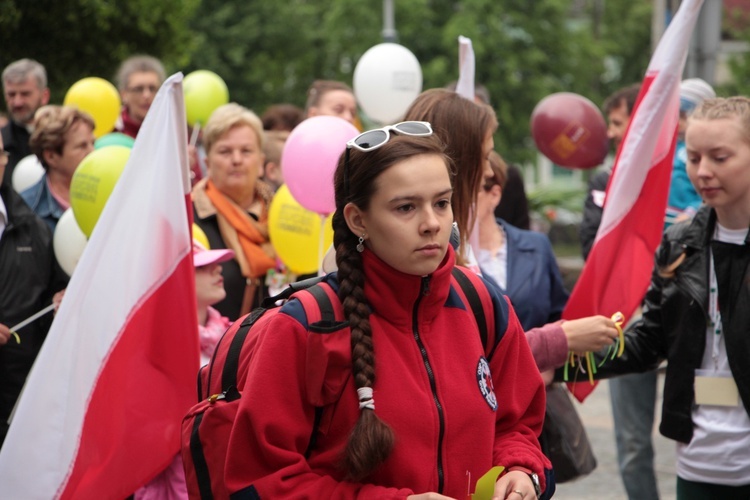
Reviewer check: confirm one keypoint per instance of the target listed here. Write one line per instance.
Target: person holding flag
(696, 312)
(31, 277)
(636, 193)
(101, 409)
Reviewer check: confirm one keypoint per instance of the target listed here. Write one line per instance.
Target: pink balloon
(309, 159)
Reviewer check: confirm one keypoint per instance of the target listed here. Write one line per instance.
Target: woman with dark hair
(446, 412)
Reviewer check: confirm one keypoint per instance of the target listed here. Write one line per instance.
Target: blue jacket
(41, 201)
(682, 195)
(534, 283)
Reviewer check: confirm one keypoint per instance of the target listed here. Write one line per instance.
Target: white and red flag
(618, 269)
(101, 411)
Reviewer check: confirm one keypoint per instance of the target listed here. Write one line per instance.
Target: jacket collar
(203, 206)
(393, 294)
(17, 209)
(127, 125)
(701, 230)
(513, 237)
(42, 202)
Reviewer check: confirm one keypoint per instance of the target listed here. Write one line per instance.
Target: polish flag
(101, 411)
(618, 270)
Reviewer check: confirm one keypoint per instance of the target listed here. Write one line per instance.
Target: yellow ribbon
(618, 318)
(485, 488)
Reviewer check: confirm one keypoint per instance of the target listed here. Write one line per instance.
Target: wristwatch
(532, 475)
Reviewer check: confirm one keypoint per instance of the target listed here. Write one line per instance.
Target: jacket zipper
(425, 290)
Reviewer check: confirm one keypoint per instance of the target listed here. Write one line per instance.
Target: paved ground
(604, 482)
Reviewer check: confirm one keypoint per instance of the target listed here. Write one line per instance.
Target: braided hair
(371, 440)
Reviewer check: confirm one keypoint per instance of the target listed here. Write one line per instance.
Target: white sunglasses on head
(373, 139)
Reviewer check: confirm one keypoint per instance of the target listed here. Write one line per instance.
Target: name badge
(716, 388)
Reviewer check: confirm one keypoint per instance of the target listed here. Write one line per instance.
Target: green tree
(735, 28)
(270, 52)
(79, 38)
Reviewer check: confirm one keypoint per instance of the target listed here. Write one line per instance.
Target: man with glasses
(138, 80)
(25, 90)
(31, 279)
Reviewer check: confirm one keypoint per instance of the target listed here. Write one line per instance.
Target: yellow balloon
(204, 91)
(93, 182)
(200, 236)
(296, 232)
(97, 97)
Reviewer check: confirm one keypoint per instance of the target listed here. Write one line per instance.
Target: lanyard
(714, 313)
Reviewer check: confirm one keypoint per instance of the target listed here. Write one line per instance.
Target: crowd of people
(413, 201)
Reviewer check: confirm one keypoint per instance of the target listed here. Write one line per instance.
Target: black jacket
(673, 327)
(592, 213)
(29, 277)
(16, 143)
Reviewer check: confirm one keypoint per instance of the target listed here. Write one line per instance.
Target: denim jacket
(41, 201)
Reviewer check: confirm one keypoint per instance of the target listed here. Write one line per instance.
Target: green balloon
(114, 139)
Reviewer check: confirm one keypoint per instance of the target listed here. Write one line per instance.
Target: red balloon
(570, 130)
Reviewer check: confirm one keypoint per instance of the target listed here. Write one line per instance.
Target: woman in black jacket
(696, 313)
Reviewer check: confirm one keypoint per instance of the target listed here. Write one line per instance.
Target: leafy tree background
(79, 38)
(269, 52)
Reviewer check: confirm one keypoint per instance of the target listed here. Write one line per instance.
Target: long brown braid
(355, 181)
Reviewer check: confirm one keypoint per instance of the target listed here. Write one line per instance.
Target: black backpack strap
(314, 434)
(232, 363)
(475, 303)
(199, 460)
(200, 382)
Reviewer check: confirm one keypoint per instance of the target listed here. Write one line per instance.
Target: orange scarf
(238, 229)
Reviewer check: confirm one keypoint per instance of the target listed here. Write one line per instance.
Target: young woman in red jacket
(409, 405)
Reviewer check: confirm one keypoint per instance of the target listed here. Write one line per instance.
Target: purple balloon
(309, 159)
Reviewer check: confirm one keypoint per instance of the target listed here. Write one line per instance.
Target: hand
(589, 334)
(548, 377)
(57, 299)
(515, 485)
(4, 334)
(429, 496)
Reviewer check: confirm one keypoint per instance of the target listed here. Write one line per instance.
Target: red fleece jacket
(428, 388)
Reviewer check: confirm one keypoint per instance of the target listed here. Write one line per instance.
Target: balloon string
(30, 319)
(194, 135)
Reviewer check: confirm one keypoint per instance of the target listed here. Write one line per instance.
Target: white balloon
(387, 79)
(26, 173)
(68, 242)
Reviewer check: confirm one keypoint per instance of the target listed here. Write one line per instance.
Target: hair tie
(365, 398)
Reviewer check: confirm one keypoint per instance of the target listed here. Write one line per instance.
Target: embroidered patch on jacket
(484, 379)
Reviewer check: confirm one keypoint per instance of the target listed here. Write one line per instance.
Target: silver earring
(361, 244)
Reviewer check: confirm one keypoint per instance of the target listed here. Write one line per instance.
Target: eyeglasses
(3, 157)
(373, 139)
(140, 89)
